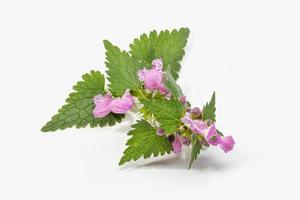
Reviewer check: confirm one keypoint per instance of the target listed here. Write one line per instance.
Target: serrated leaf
(196, 148)
(169, 46)
(79, 106)
(122, 70)
(210, 108)
(171, 84)
(167, 112)
(144, 143)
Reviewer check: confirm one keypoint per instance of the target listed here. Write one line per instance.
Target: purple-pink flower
(176, 144)
(106, 104)
(212, 136)
(196, 126)
(102, 103)
(227, 143)
(122, 105)
(210, 133)
(153, 78)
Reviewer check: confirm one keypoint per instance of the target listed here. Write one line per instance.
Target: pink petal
(187, 120)
(177, 147)
(157, 64)
(122, 105)
(153, 79)
(102, 103)
(227, 143)
(199, 126)
(213, 137)
(141, 74)
(163, 90)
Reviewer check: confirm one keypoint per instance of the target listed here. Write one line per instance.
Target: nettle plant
(145, 78)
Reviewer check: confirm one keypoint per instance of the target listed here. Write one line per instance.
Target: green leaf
(196, 148)
(166, 112)
(169, 46)
(144, 142)
(122, 70)
(171, 84)
(210, 108)
(79, 106)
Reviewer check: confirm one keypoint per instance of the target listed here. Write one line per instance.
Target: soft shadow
(205, 162)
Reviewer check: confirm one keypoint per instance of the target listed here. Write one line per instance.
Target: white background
(246, 51)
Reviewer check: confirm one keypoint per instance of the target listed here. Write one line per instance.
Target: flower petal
(153, 79)
(176, 144)
(199, 127)
(122, 105)
(227, 143)
(141, 74)
(102, 103)
(212, 136)
(157, 64)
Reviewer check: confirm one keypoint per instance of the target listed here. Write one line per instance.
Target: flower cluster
(191, 123)
(206, 129)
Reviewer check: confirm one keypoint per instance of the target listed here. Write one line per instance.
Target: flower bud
(185, 141)
(160, 132)
(195, 112)
(182, 99)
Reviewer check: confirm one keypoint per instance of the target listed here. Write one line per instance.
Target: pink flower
(212, 136)
(122, 105)
(209, 132)
(187, 120)
(196, 126)
(176, 144)
(106, 104)
(199, 127)
(102, 103)
(153, 78)
(227, 143)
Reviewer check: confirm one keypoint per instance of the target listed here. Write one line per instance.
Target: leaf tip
(121, 162)
(107, 44)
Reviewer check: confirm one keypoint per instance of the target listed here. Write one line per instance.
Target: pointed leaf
(122, 70)
(167, 112)
(196, 148)
(79, 106)
(144, 143)
(169, 46)
(210, 108)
